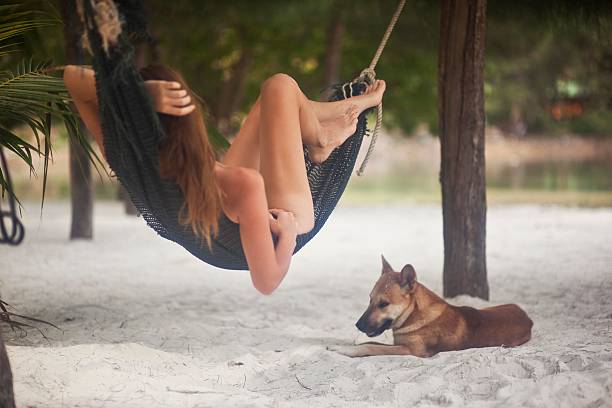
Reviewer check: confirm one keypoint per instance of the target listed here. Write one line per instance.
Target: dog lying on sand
(424, 324)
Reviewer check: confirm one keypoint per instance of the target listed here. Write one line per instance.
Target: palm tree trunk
(81, 182)
(461, 121)
(81, 192)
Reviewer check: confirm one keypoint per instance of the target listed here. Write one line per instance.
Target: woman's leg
(244, 150)
(279, 123)
(321, 137)
(282, 166)
(323, 125)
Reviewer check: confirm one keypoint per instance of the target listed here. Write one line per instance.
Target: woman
(261, 183)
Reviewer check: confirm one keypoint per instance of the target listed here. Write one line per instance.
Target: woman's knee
(305, 221)
(279, 83)
(295, 201)
(304, 216)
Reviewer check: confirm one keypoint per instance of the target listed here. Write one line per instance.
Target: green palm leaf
(31, 97)
(14, 23)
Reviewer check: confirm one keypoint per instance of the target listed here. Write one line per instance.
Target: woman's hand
(283, 223)
(169, 97)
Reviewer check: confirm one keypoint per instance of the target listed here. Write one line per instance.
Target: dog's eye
(383, 304)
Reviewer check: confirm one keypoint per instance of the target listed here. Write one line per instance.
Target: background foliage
(30, 95)
(536, 54)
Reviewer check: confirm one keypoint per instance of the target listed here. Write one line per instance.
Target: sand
(144, 324)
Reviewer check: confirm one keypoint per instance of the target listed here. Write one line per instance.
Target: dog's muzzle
(363, 327)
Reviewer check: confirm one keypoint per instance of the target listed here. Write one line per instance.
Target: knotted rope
(14, 236)
(368, 76)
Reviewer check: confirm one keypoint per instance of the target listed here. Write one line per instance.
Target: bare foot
(372, 96)
(334, 132)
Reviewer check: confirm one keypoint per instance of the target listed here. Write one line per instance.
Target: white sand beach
(144, 324)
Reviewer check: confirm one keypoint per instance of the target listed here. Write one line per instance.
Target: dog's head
(391, 297)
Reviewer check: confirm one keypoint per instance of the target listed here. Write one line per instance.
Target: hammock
(132, 133)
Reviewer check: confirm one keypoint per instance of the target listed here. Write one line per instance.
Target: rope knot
(107, 20)
(367, 76)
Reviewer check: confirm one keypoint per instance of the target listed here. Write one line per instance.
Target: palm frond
(8, 317)
(31, 97)
(15, 23)
(17, 145)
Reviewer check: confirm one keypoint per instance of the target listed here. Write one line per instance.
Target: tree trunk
(81, 182)
(7, 400)
(81, 192)
(232, 91)
(333, 49)
(461, 121)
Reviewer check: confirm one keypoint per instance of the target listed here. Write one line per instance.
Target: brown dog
(424, 324)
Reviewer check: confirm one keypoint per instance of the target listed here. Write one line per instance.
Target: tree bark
(461, 122)
(232, 91)
(7, 399)
(333, 50)
(81, 192)
(81, 182)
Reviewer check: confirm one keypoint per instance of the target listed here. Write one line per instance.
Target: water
(554, 176)
(585, 176)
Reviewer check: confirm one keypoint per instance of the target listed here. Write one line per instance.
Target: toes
(382, 85)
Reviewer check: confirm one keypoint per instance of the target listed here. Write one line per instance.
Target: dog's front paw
(349, 351)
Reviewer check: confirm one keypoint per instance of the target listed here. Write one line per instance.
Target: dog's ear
(385, 265)
(407, 277)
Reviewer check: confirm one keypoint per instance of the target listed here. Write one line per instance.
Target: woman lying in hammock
(261, 182)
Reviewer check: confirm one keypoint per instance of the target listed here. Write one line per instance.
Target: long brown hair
(187, 157)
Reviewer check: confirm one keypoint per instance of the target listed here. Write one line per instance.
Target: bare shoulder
(242, 187)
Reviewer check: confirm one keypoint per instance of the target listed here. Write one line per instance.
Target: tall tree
(232, 90)
(333, 49)
(461, 122)
(81, 181)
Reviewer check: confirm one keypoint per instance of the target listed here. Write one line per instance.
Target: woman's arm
(168, 98)
(284, 226)
(268, 265)
(81, 85)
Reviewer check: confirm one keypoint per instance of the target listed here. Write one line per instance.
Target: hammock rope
(17, 231)
(368, 76)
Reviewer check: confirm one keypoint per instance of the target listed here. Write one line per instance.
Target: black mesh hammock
(132, 133)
